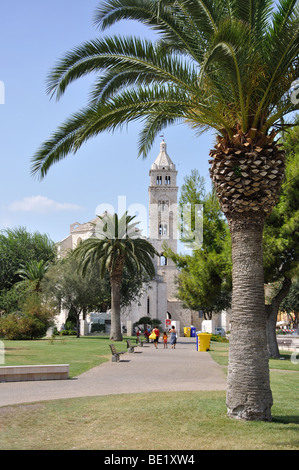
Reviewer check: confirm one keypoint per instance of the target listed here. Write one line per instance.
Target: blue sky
(34, 34)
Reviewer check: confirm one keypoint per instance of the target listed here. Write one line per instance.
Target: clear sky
(34, 34)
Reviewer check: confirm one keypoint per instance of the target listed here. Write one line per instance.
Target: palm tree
(34, 272)
(223, 65)
(117, 245)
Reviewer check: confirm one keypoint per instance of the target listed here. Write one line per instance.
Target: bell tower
(163, 194)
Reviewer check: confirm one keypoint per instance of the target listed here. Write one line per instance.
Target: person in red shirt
(157, 333)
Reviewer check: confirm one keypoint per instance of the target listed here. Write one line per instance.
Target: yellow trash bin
(187, 331)
(203, 341)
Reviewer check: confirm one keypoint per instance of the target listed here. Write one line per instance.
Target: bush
(219, 339)
(67, 333)
(18, 326)
(97, 327)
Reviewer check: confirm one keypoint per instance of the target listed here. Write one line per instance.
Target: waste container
(193, 331)
(187, 331)
(203, 341)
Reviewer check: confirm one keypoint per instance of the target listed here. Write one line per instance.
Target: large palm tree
(117, 245)
(226, 65)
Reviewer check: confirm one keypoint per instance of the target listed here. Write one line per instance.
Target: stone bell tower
(163, 194)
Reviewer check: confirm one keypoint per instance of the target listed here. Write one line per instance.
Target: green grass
(146, 421)
(219, 352)
(81, 353)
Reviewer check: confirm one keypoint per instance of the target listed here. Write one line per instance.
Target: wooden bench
(115, 354)
(284, 342)
(35, 372)
(130, 346)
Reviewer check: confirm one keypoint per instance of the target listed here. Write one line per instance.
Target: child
(165, 339)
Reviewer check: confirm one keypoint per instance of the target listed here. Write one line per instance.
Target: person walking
(165, 337)
(146, 335)
(157, 333)
(173, 335)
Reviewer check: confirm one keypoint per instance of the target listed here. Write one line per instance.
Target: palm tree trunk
(115, 333)
(249, 395)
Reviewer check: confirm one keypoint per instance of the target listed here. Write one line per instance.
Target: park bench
(284, 342)
(115, 354)
(140, 342)
(130, 346)
(35, 372)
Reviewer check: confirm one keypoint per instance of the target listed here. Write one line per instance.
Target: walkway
(146, 370)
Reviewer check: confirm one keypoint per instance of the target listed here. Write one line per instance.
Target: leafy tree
(204, 281)
(290, 304)
(205, 278)
(281, 238)
(227, 66)
(116, 247)
(32, 319)
(19, 247)
(64, 285)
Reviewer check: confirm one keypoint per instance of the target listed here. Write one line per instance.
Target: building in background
(159, 299)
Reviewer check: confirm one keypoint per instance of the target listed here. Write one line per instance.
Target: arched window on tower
(163, 260)
(160, 229)
(165, 229)
(167, 179)
(159, 179)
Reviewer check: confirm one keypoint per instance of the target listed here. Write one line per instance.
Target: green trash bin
(203, 341)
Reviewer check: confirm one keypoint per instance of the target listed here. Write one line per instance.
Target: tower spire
(163, 160)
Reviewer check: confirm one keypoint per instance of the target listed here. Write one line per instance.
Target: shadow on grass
(291, 419)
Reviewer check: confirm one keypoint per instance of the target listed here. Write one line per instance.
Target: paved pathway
(146, 370)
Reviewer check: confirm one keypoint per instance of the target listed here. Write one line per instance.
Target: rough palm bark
(115, 332)
(248, 391)
(247, 173)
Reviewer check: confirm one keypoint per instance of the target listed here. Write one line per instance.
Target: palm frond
(222, 64)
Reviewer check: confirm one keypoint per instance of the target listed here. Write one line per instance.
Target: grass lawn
(182, 420)
(80, 353)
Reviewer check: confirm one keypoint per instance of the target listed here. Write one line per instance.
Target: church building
(159, 299)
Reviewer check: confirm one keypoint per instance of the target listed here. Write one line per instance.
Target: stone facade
(159, 299)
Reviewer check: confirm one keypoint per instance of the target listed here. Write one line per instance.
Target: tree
(33, 317)
(227, 66)
(290, 304)
(281, 238)
(204, 281)
(65, 285)
(68, 289)
(34, 272)
(18, 247)
(117, 246)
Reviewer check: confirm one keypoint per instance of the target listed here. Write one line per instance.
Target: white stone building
(159, 300)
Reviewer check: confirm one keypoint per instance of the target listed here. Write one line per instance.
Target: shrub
(219, 339)
(18, 326)
(97, 327)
